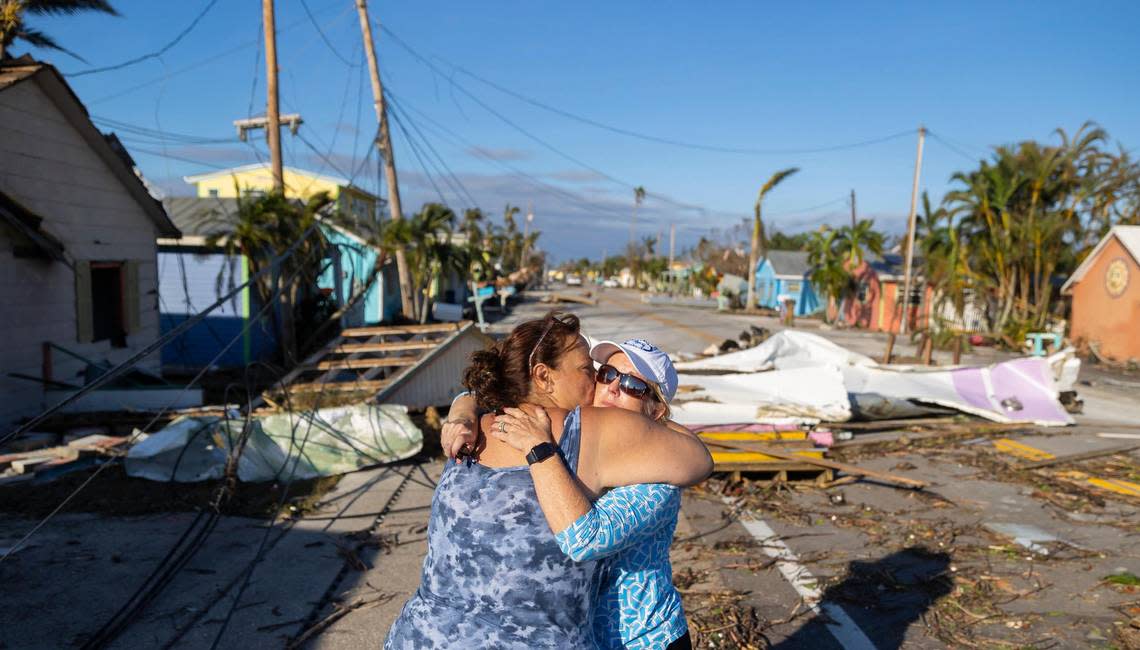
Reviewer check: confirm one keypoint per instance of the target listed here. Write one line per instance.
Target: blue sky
(730, 74)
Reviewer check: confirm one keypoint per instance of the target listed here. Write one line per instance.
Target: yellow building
(299, 184)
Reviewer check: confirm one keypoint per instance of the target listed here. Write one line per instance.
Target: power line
(396, 114)
(532, 180)
(946, 143)
(617, 181)
(133, 360)
(156, 53)
(635, 134)
(325, 38)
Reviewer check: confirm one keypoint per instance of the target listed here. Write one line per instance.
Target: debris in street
(301, 445)
(1019, 390)
(582, 299)
(816, 393)
(831, 464)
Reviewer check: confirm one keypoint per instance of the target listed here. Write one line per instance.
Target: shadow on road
(884, 597)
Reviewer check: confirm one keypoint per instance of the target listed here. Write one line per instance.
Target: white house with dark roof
(78, 233)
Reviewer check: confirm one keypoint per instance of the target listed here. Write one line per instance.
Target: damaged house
(78, 233)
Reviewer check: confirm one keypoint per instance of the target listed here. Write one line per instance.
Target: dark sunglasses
(635, 387)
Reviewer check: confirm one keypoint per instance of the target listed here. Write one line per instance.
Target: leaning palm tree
(13, 27)
(638, 199)
(758, 233)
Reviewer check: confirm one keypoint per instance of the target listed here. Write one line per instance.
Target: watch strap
(541, 452)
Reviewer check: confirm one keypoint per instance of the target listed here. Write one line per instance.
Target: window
(792, 287)
(107, 301)
(213, 193)
(107, 321)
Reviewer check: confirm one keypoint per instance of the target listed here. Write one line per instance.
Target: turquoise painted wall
(769, 288)
(357, 261)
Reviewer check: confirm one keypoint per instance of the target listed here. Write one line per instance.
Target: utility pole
(384, 146)
(910, 229)
(852, 209)
(526, 233)
(672, 241)
(273, 123)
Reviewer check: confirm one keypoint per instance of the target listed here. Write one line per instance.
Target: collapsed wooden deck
(747, 454)
(373, 363)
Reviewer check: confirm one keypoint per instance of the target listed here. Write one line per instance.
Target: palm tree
(427, 239)
(638, 199)
(829, 274)
(12, 26)
(758, 233)
(853, 242)
(265, 227)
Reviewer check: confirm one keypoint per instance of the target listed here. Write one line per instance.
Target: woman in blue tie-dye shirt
(631, 527)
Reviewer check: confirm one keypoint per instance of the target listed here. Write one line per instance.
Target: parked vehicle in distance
(573, 280)
(612, 283)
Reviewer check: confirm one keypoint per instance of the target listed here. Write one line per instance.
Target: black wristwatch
(541, 452)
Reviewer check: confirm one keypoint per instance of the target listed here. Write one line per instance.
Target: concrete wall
(1113, 323)
(48, 167)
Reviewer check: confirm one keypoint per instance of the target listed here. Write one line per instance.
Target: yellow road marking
(757, 436)
(1020, 449)
(1117, 485)
(729, 457)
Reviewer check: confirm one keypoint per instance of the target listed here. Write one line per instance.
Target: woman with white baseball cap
(630, 527)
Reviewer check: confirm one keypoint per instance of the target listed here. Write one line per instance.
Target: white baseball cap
(647, 359)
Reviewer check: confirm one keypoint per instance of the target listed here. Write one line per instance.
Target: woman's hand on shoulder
(458, 436)
(522, 430)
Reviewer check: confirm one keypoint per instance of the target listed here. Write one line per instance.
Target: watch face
(1116, 277)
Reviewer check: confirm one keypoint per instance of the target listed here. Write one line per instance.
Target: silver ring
(502, 427)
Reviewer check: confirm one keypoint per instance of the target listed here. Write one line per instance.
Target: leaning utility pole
(526, 234)
(273, 123)
(852, 208)
(384, 146)
(910, 230)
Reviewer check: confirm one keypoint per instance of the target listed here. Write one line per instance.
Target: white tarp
(831, 379)
(784, 350)
(297, 445)
(814, 393)
(1019, 390)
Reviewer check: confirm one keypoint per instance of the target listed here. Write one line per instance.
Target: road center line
(841, 626)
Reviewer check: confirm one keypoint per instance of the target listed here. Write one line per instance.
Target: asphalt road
(987, 556)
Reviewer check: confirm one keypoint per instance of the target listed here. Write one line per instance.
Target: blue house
(786, 274)
(188, 273)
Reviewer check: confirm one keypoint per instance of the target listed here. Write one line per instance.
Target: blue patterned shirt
(638, 606)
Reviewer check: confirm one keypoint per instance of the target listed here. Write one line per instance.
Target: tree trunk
(753, 258)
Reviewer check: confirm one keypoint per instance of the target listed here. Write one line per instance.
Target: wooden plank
(384, 330)
(1088, 455)
(831, 464)
(384, 362)
(339, 386)
(773, 467)
(753, 436)
(734, 457)
(396, 346)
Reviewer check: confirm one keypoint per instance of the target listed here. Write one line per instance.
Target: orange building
(1106, 296)
(876, 301)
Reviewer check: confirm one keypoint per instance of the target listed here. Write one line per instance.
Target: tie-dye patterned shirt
(638, 606)
(493, 576)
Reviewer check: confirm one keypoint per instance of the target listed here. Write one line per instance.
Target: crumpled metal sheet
(281, 446)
